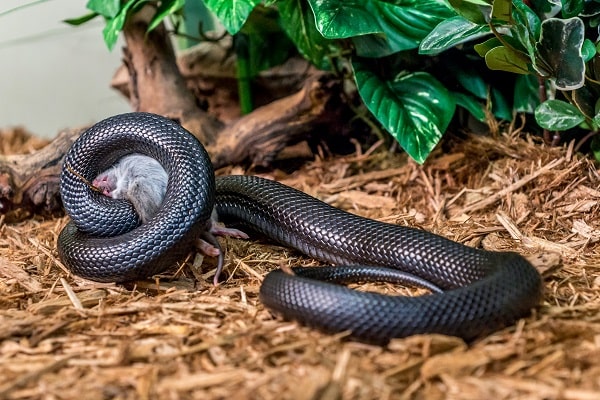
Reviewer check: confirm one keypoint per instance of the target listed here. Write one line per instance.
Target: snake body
(482, 290)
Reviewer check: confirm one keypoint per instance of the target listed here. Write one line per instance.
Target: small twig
(71, 294)
(82, 178)
(511, 188)
(33, 376)
(584, 139)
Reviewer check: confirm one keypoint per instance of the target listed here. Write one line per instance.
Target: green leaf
(526, 17)
(298, 22)
(232, 13)
(505, 59)
(526, 95)
(470, 78)
(81, 20)
(402, 26)
(596, 121)
(387, 27)
(502, 11)
(557, 115)
(106, 8)
(115, 25)
(585, 99)
(451, 32)
(588, 50)
(526, 29)
(591, 10)
(484, 47)
(268, 44)
(342, 19)
(571, 8)
(471, 104)
(166, 8)
(559, 51)
(415, 108)
(500, 107)
(543, 8)
(475, 11)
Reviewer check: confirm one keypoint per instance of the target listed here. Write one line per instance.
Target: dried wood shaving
(176, 336)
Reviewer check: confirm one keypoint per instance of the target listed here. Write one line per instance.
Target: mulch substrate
(178, 337)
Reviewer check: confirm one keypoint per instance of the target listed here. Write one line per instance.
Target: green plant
(548, 43)
(415, 61)
(375, 35)
(379, 38)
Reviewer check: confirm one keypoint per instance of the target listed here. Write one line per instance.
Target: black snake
(482, 290)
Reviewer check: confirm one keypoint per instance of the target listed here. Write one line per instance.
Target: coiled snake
(482, 290)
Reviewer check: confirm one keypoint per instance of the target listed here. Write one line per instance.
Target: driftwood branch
(156, 85)
(261, 135)
(31, 181)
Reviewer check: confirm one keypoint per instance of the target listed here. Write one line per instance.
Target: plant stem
(543, 95)
(584, 139)
(242, 51)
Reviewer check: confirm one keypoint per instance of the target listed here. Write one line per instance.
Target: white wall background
(53, 75)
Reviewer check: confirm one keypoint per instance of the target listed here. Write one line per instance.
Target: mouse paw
(219, 230)
(208, 249)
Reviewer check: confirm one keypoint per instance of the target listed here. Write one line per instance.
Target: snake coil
(482, 290)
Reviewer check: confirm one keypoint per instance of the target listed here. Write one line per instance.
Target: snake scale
(480, 290)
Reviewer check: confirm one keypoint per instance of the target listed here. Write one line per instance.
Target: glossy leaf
(588, 50)
(502, 11)
(106, 8)
(470, 78)
(165, 9)
(493, 42)
(115, 25)
(506, 59)
(342, 19)
(298, 22)
(559, 49)
(585, 100)
(475, 11)
(402, 26)
(557, 115)
(596, 122)
(450, 33)
(526, 29)
(232, 13)
(415, 108)
(81, 20)
(483, 47)
(571, 8)
(591, 10)
(268, 44)
(500, 107)
(544, 8)
(526, 96)
(526, 17)
(471, 104)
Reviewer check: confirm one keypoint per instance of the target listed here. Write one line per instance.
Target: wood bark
(156, 85)
(31, 182)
